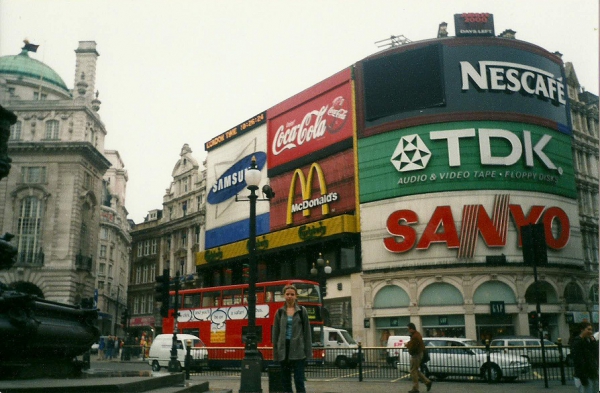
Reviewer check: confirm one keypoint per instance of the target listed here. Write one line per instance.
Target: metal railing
(491, 364)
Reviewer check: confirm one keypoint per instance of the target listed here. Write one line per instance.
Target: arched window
(546, 292)
(494, 291)
(391, 296)
(594, 294)
(440, 294)
(52, 129)
(573, 293)
(29, 230)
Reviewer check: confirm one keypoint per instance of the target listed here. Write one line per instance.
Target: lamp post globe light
(322, 270)
(252, 363)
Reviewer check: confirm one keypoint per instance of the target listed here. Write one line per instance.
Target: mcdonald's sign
(307, 201)
(316, 191)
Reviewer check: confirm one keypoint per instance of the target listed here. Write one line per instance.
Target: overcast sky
(176, 72)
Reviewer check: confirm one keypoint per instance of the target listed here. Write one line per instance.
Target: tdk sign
(233, 180)
(513, 77)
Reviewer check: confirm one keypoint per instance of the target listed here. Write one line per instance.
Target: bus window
(211, 299)
(274, 293)
(191, 300)
(308, 293)
(232, 296)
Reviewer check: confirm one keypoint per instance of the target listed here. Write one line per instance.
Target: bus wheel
(155, 366)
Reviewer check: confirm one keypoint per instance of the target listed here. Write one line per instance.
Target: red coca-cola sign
(312, 120)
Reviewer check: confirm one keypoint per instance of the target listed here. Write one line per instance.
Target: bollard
(360, 358)
(563, 380)
(188, 358)
(489, 369)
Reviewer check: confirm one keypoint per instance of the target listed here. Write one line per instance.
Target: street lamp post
(251, 365)
(321, 270)
(174, 366)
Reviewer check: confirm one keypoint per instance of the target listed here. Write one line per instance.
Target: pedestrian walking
(292, 342)
(416, 348)
(101, 346)
(584, 351)
(110, 345)
(117, 347)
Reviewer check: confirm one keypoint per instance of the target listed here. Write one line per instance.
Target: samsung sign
(233, 180)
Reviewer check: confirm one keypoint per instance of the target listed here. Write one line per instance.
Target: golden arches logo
(305, 184)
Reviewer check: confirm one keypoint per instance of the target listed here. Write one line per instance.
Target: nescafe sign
(474, 24)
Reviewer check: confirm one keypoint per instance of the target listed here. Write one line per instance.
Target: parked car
(530, 348)
(160, 351)
(461, 356)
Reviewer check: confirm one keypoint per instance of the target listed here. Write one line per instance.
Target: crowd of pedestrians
(114, 348)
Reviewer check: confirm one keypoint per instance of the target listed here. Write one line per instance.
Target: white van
(160, 351)
(340, 347)
(395, 345)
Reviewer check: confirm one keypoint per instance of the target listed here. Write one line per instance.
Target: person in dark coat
(584, 351)
(292, 342)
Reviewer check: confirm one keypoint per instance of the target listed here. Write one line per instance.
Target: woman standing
(292, 343)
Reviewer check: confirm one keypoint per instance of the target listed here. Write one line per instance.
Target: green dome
(23, 65)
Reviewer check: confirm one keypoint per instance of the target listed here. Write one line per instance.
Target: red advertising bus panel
(310, 121)
(321, 189)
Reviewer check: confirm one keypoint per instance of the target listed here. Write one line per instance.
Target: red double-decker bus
(219, 316)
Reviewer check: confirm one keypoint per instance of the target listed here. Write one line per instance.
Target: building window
(111, 253)
(147, 247)
(143, 304)
(139, 250)
(38, 97)
(197, 234)
(101, 268)
(145, 274)
(184, 207)
(184, 184)
(102, 251)
(110, 270)
(153, 272)
(104, 233)
(100, 286)
(138, 275)
(150, 304)
(29, 229)
(15, 131)
(184, 238)
(52, 129)
(33, 174)
(154, 246)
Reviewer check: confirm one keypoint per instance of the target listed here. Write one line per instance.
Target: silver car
(461, 356)
(531, 349)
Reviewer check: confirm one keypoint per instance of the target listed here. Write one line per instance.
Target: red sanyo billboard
(312, 122)
(318, 190)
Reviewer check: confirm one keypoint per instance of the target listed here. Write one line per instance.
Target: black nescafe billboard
(456, 79)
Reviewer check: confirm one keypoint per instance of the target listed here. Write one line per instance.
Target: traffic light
(533, 317)
(162, 292)
(124, 318)
(533, 237)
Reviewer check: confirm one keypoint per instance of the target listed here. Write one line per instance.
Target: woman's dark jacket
(300, 343)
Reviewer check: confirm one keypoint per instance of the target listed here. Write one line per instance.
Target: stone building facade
(52, 199)
(169, 238)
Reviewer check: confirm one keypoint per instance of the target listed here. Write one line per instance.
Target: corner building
(461, 142)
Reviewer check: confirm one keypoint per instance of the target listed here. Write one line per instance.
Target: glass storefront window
(443, 325)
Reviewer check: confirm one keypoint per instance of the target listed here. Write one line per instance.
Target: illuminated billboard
(226, 162)
(456, 79)
(467, 227)
(315, 191)
(482, 155)
(311, 124)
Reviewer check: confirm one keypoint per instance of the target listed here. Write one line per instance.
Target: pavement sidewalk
(339, 385)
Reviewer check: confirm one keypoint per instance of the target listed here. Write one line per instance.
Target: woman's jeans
(297, 367)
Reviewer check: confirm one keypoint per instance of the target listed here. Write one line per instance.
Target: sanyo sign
(513, 77)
